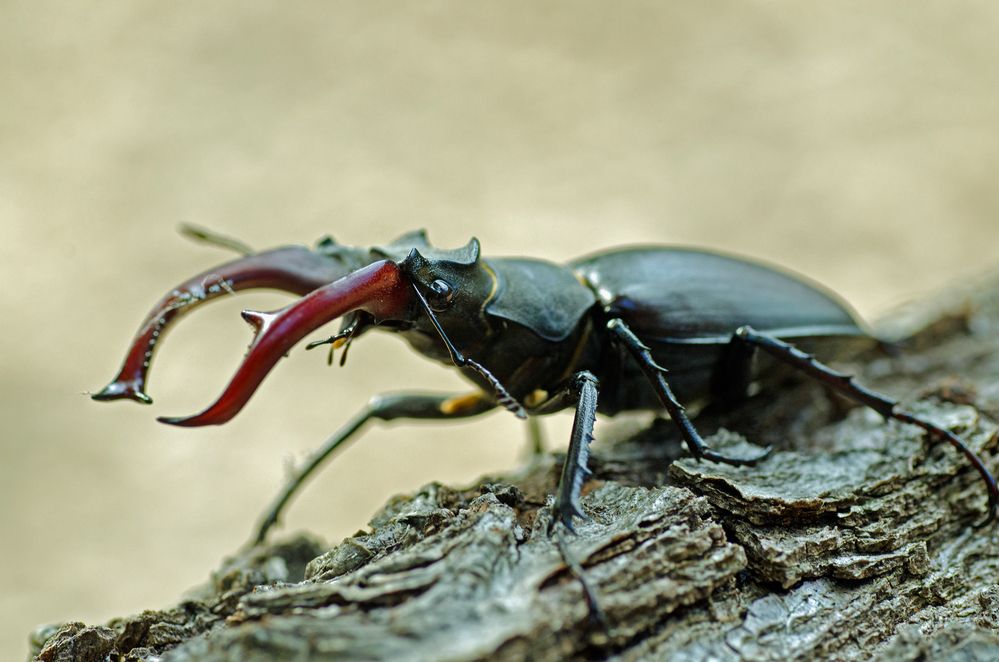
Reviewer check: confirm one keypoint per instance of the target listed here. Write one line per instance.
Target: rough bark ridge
(852, 541)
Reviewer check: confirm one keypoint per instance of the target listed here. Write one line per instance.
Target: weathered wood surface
(853, 541)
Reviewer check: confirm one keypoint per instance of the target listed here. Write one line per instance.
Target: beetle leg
(213, 238)
(388, 407)
(657, 375)
(583, 388)
(535, 437)
(596, 612)
(731, 379)
(882, 404)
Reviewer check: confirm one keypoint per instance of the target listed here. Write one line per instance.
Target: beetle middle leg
(657, 376)
(387, 407)
(882, 404)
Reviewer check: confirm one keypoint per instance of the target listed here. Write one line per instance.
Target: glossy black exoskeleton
(625, 329)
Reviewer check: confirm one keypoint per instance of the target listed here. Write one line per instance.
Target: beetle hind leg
(657, 376)
(882, 404)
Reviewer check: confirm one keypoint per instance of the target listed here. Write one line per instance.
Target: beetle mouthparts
(379, 289)
(293, 269)
(120, 390)
(180, 421)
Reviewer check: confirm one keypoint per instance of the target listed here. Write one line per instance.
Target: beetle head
(452, 288)
(294, 269)
(435, 297)
(379, 290)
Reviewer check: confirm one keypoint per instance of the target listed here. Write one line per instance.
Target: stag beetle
(643, 328)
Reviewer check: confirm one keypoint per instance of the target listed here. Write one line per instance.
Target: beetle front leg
(882, 404)
(657, 376)
(583, 388)
(388, 407)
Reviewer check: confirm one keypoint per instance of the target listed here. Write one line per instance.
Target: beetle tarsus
(596, 612)
(714, 456)
(946, 435)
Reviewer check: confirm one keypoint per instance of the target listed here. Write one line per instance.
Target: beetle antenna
(503, 396)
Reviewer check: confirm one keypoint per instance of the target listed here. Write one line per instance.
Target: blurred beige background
(856, 142)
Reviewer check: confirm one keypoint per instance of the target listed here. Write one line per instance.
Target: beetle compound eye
(440, 295)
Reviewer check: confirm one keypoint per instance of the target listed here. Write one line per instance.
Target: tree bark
(852, 541)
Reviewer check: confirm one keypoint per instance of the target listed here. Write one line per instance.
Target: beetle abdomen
(685, 295)
(686, 304)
